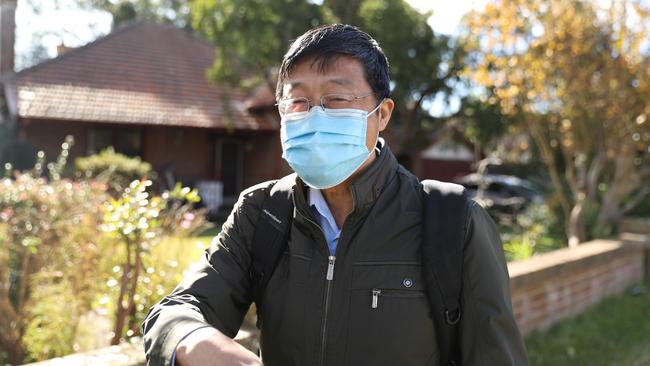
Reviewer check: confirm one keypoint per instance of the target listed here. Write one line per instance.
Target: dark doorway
(230, 158)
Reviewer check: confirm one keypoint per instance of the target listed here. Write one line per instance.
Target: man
(349, 290)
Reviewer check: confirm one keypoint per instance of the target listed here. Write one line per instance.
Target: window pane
(129, 141)
(100, 138)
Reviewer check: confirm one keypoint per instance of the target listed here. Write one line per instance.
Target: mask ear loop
(377, 138)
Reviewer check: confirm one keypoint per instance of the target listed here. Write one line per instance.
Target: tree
(251, 36)
(423, 66)
(484, 124)
(577, 76)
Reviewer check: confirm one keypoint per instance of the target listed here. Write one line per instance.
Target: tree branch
(549, 160)
(24, 281)
(594, 172)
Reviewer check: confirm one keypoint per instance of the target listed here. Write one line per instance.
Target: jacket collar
(368, 185)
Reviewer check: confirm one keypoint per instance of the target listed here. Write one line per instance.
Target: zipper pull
(375, 298)
(330, 268)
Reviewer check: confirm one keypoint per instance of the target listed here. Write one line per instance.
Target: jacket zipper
(375, 298)
(328, 277)
(376, 293)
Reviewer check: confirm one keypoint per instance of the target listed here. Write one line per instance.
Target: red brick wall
(189, 150)
(551, 287)
(49, 135)
(263, 159)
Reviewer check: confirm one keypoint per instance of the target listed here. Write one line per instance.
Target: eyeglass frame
(309, 101)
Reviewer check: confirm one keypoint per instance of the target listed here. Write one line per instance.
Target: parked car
(501, 193)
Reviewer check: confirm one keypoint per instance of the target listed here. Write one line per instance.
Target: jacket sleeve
(216, 294)
(488, 332)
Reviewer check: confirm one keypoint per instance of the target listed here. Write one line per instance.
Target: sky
(76, 27)
(446, 13)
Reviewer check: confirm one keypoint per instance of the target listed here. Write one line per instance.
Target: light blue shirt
(324, 218)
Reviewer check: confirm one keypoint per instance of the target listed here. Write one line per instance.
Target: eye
(299, 105)
(293, 105)
(335, 101)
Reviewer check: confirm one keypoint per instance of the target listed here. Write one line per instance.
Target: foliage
(483, 124)
(55, 234)
(53, 319)
(576, 76)
(251, 36)
(642, 209)
(163, 268)
(614, 332)
(137, 221)
(46, 237)
(114, 169)
(424, 66)
(530, 233)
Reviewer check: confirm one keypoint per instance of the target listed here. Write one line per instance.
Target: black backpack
(446, 212)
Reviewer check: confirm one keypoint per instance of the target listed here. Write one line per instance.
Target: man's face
(344, 75)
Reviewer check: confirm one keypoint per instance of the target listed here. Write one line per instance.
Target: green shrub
(138, 221)
(530, 233)
(642, 209)
(114, 169)
(64, 247)
(49, 235)
(52, 320)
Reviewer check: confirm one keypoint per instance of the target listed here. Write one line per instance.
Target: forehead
(312, 73)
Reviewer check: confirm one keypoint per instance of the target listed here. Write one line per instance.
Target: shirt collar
(366, 188)
(317, 201)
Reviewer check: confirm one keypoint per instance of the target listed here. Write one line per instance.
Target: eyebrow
(337, 81)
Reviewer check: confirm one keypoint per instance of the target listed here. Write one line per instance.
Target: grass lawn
(614, 332)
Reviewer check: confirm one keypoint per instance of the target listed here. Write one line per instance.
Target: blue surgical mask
(325, 147)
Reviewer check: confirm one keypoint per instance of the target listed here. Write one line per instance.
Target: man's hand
(208, 346)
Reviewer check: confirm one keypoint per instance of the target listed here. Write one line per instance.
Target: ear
(384, 113)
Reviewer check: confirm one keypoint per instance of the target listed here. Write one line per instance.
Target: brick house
(142, 89)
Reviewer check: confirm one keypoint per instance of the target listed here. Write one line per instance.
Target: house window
(127, 141)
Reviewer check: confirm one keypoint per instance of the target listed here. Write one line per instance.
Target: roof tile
(145, 73)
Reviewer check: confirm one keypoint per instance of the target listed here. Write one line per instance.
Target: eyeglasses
(329, 101)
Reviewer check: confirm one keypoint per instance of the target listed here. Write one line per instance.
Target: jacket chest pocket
(390, 319)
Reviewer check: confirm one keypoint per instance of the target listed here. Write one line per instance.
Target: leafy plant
(46, 238)
(67, 248)
(115, 169)
(138, 221)
(530, 233)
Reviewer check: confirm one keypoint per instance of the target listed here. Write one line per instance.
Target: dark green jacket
(307, 319)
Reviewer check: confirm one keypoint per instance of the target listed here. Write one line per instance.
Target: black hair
(328, 42)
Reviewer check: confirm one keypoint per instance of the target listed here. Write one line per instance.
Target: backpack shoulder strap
(271, 234)
(446, 216)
